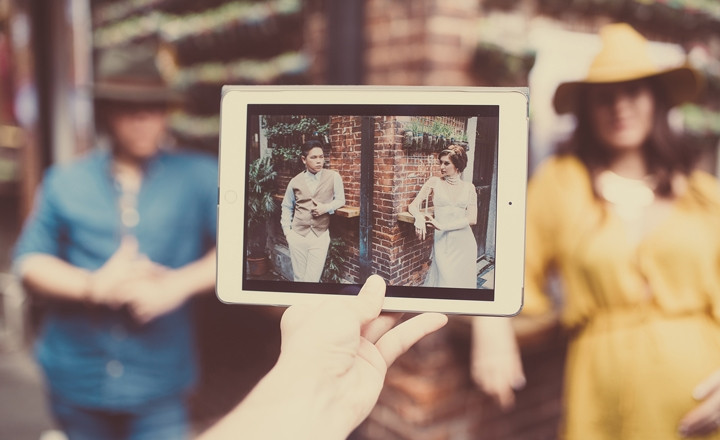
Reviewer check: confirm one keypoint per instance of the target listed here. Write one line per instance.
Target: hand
(420, 229)
(344, 347)
(150, 298)
(318, 209)
(432, 222)
(332, 365)
(496, 366)
(107, 284)
(704, 419)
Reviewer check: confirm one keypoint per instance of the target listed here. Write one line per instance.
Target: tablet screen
(332, 192)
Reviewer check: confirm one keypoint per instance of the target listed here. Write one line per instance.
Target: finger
(506, 399)
(128, 247)
(145, 267)
(398, 340)
(498, 387)
(706, 417)
(293, 316)
(139, 316)
(707, 386)
(703, 419)
(503, 396)
(698, 426)
(518, 381)
(141, 312)
(369, 301)
(376, 328)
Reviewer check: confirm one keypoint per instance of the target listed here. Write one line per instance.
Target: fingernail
(519, 384)
(699, 393)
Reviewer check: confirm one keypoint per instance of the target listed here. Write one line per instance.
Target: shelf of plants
(213, 43)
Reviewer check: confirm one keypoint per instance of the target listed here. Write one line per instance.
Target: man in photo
(311, 197)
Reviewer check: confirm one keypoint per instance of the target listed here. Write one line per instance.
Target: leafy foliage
(332, 272)
(432, 137)
(260, 202)
(286, 135)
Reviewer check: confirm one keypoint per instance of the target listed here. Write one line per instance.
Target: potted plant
(332, 271)
(259, 209)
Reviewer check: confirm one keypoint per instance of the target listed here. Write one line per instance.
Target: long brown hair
(664, 151)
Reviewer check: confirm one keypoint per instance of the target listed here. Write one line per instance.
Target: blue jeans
(163, 420)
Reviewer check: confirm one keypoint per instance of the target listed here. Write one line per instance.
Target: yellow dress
(642, 318)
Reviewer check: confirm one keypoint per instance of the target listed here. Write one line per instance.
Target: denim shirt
(94, 356)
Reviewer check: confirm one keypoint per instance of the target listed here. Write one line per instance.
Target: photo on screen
(335, 193)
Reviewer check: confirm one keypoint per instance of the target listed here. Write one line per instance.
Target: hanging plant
(287, 134)
(430, 138)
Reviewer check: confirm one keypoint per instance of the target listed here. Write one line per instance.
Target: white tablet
(322, 186)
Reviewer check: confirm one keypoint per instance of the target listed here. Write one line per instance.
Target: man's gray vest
(303, 221)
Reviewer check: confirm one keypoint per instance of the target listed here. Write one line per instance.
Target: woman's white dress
(454, 252)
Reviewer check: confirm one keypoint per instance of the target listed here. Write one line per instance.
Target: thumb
(128, 248)
(369, 301)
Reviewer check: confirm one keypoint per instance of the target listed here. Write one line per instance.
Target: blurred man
(311, 197)
(118, 243)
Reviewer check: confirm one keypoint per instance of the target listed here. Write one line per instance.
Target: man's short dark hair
(309, 145)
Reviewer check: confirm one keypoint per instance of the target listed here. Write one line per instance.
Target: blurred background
(47, 50)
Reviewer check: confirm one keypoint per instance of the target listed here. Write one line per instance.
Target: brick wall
(420, 42)
(397, 254)
(345, 138)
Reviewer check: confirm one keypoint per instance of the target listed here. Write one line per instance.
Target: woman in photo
(455, 210)
(633, 232)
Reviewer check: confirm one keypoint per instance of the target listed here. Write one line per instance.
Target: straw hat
(624, 56)
(133, 75)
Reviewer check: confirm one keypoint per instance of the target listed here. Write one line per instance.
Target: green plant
(430, 137)
(332, 272)
(286, 134)
(415, 126)
(438, 128)
(260, 203)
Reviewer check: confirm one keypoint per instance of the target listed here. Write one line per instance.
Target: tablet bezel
(511, 187)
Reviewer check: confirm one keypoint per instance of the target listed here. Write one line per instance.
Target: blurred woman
(455, 210)
(633, 232)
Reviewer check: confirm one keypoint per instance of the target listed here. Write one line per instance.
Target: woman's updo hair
(457, 156)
